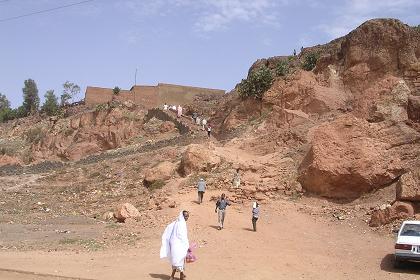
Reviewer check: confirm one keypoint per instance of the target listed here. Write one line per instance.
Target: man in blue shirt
(221, 205)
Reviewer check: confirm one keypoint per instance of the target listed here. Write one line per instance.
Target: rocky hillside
(351, 126)
(91, 131)
(346, 128)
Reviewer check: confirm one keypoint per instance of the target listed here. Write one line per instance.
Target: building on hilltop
(148, 96)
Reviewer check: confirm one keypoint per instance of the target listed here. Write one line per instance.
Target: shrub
(35, 135)
(101, 107)
(256, 84)
(116, 90)
(282, 68)
(310, 61)
(158, 184)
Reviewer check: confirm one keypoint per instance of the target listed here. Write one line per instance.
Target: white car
(407, 247)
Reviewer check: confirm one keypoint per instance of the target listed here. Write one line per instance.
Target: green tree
(282, 68)
(310, 61)
(116, 90)
(50, 106)
(7, 114)
(4, 102)
(30, 97)
(256, 84)
(5, 111)
(70, 90)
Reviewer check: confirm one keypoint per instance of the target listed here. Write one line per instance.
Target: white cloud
(210, 15)
(352, 13)
(221, 13)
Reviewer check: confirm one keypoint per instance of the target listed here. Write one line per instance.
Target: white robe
(175, 242)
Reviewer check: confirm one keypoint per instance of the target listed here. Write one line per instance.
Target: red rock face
(87, 133)
(350, 156)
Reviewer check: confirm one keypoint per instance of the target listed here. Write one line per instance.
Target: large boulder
(126, 211)
(350, 156)
(408, 186)
(161, 172)
(198, 158)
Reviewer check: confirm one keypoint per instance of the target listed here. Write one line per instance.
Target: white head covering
(254, 204)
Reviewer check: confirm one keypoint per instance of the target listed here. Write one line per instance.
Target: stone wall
(148, 96)
(145, 95)
(175, 94)
(97, 95)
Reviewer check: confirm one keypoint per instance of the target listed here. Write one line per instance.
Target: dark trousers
(208, 133)
(200, 196)
(254, 223)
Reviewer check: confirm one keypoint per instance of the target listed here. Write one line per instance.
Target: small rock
(172, 204)
(125, 211)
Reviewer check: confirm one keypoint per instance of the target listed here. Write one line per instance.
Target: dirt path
(289, 244)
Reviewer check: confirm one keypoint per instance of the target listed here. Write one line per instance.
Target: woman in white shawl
(175, 244)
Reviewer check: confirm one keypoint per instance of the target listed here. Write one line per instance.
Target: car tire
(398, 263)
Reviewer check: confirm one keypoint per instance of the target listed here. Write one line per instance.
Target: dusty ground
(292, 242)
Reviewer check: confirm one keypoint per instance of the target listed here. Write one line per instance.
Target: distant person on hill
(294, 52)
(194, 116)
(201, 188)
(197, 120)
(208, 131)
(175, 244)
(255, 215)
(165, 107)
(173, 108)
(179, 111)
(204, 123)
(236, 181)
(221, 205)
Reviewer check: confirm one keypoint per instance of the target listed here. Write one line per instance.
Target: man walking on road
(201, 187)
(221, 205)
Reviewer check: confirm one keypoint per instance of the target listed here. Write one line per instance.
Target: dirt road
(289, 244)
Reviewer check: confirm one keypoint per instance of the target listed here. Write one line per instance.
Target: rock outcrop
(388, 214)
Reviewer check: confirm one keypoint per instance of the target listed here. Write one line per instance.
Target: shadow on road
(159, 276)
(387, 264)
(215, 227)
(248, 229)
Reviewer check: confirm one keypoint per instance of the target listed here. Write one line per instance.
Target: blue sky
(208, 43)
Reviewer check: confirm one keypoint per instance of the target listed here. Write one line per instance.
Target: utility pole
(134, 87)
